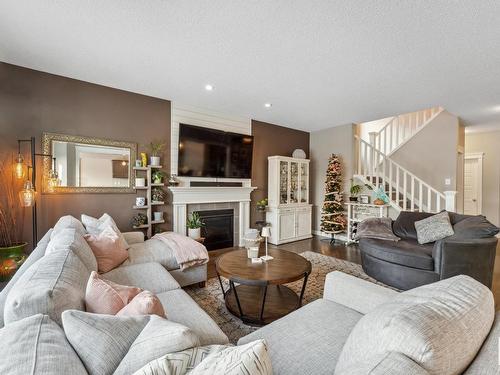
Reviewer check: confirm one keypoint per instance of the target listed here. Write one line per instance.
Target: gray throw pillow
(36, 345)
(101, 341)
(379, 228)
(474, 227)
(434, 228)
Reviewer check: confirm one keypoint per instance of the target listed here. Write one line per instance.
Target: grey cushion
(405, 252)
(433, 228)
(181, 308)
(70, 238)
(319, 329)
(36, 254)
(486, 361)
(159, 337)
(391, 363)
(53, 284)
(404, 225)
(37, 345)
(474, 227)
(101, 341)
(148, 276)
(377, 228)
(440, 326)
(69, 221)
(152, 250)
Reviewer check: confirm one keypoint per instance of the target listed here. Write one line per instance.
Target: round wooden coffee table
(256, 292)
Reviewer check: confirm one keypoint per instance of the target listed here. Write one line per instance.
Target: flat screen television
(205, 152)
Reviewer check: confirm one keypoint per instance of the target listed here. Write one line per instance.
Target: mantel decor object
(266, 232)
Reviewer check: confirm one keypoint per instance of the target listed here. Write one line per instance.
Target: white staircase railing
(401, 128)
(405, 190)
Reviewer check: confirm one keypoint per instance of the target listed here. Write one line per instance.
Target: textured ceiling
(320, 63)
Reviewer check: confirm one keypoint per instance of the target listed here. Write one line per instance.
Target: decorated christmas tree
(332, 218)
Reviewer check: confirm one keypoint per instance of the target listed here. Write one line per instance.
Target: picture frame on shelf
(364, 198)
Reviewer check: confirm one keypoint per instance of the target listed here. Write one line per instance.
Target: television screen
(206, 152)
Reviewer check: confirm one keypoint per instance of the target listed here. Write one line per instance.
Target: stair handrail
(404, 131)
(376, 168)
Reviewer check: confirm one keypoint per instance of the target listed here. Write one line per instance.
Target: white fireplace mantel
(183, 196)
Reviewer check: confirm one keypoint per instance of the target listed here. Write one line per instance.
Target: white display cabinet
(289, 212)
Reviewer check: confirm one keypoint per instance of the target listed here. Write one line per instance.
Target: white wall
(338, 140)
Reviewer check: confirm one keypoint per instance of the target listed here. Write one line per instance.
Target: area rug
(211, 300)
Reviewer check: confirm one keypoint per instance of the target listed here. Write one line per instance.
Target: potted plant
(11, 223)
(156, 147)
(157, 176)
(262, 204)
(157, 195)
(139, 220)
(194, 224)
(355, 190)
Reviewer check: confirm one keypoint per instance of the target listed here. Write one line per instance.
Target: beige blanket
(187, 252)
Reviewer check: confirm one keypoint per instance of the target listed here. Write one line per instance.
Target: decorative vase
(11, 258)
(140, 182)
(157, 181)
(155, 161)
(140, 201)
(158, 215)
(194, 233)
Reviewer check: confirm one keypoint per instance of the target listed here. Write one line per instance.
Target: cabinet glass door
(283, 182)
(294, 182)
(304, 178)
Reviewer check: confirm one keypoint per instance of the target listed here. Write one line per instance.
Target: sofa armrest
(472, 257)
(355, 293)
(133, 237)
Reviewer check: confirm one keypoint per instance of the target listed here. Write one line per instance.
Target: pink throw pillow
(106, 297)
(145, 303)
(107, 248)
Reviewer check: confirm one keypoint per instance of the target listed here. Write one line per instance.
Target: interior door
(472, 186)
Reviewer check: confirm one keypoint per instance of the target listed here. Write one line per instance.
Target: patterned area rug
(211, 300)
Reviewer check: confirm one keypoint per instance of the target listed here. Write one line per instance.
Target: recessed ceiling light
(268, 105)
(209, 88)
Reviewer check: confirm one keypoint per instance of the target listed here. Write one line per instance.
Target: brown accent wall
(32, 102)
(270, 140)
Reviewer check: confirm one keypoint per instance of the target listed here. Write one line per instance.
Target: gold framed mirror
(88, 164)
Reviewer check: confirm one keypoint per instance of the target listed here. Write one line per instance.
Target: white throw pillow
(251, 358)
(440, 326)
(96, 226)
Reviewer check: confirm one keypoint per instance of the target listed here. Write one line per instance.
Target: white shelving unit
(357, 212)
(146, 172)
(288, 211)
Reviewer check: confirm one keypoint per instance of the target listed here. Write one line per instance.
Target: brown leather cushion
(405, 252)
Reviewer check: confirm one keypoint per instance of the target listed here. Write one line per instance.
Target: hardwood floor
(339, 250)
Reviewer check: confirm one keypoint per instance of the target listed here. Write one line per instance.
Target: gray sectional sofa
(54, 277)
(360, 328)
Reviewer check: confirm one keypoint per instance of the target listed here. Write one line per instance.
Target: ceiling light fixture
(268, 105)
(209, 88)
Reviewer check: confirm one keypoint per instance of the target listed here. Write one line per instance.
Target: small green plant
(139, 219)
(355, 190)
(157, 195)
(156, 147)
(194, 221)
(157, 176)
(262, 204)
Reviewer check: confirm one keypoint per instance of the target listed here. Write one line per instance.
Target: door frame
(479, 157)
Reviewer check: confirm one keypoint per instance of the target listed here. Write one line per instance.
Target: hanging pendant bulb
(27, 195)
(19, 168)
